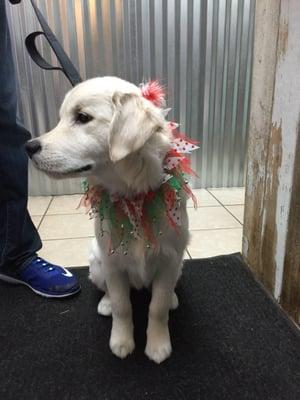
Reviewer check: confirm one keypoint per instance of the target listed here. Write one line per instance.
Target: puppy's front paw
(158, 347)
(121, 348)
(121, 345)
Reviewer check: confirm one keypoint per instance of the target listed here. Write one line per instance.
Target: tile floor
(216, 226)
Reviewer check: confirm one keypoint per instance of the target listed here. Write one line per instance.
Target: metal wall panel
(201, 50)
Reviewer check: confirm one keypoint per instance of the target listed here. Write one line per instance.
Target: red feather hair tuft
(153, 92)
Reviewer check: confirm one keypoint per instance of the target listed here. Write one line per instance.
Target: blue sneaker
(46, 279)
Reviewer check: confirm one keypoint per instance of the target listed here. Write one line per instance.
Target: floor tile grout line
(83, 212)
(69, 238)
(45, 212)
(39, 224)
(65, 213)
(68, 213)
(214, 205)
(188, 253)
(219, 201)
(215, 198)
(191, 230)
(233, 215)
(215, 229)
(223, 205)
(199, 206)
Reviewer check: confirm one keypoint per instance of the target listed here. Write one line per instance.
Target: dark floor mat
(230, 341)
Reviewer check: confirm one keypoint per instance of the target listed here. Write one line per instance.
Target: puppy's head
(105, 126)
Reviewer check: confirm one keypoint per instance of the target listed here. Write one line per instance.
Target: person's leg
(19, 240)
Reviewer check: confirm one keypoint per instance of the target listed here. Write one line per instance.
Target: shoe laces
(43, 264)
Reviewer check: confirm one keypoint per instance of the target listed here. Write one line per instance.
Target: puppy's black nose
(32, 147)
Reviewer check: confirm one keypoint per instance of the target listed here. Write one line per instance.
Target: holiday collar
(126, 219)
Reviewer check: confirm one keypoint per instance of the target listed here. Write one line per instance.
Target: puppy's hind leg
(104, 306)
(97, 276)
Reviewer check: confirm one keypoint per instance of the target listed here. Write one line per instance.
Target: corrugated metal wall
(201, 50)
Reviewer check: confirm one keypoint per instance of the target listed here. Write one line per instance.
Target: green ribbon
(118, 223)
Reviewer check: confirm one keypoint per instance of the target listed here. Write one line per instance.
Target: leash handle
(66, 65)
(35, 55)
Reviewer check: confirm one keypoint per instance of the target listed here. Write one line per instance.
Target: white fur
(124, 145)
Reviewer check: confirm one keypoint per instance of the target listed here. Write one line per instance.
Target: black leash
(66, 65)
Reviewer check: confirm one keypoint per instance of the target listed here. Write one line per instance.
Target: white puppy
(109, 133)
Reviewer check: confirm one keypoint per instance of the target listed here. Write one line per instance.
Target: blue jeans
(19, 239)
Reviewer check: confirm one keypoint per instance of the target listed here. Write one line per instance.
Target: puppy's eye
(83, 118)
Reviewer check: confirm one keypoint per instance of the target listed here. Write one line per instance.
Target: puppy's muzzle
(32, 147)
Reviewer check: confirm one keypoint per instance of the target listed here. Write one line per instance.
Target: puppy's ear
(133, 123)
